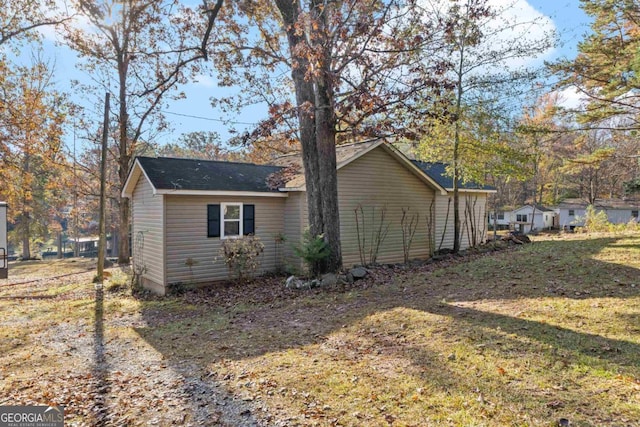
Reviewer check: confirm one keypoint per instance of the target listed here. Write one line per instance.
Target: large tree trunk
(326, 143)
(25, 220)
(317, 138)
(26, 250)
(329, 190)
(125, 154)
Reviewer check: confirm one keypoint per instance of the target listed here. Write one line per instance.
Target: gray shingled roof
(600, 203)
(438, 172)
(168, 173)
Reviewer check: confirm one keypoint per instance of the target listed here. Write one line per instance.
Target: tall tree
(606, 70)
(486, 50)
(350, 67)
(198, 145)
(19, 19)
(142, 50)
(32, 116)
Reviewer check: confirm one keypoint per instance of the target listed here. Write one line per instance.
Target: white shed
(4, 260)
(540, 216)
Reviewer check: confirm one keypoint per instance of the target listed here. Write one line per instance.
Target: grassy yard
(546, 334)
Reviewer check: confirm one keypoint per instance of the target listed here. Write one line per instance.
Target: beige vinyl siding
(377, 180)
(295, 221)
(444, 219)
(444, 222)
(148, 234)
(186, 231)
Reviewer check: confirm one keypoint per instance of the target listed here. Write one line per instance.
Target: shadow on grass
(26, 296)
(620, 352)
(207, 333)
(100, 370)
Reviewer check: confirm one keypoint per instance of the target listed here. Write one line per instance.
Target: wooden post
(103, 173)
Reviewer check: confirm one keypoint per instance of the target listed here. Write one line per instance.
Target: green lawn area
(530, 336)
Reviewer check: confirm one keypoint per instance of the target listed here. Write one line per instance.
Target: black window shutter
(248, 219)
(213, 220)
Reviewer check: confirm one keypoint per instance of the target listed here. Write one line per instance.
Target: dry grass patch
(523, 337)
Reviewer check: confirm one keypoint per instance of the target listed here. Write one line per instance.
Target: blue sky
(565, 16)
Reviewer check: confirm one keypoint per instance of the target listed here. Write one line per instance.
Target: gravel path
(101, 369)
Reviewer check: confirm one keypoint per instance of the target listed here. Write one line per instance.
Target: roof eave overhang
(179, 192)
(132, 180)
(473, 190)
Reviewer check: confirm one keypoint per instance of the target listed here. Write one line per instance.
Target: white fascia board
(293, 189)
(221, 193)
(472, 190)
(136, 166)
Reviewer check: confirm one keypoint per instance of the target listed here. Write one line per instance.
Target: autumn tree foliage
(141, 50)
(330, 71)
(605, 71)
(32, 116)
(19, 19)
(485, 53)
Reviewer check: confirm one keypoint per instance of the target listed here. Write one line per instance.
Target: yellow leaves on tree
(32, 118)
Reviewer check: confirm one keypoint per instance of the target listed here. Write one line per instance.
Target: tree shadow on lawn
(207, 333)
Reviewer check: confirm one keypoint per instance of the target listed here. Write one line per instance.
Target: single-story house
(541, 217)
(182, 209)
(619, 211)
(502, 218)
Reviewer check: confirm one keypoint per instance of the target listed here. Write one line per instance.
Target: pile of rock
(517, 238)
(326, 280)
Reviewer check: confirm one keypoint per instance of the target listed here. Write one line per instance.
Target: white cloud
(517, 24)
(204, 80)
(64, 8)
(570, 98)
(520, 23)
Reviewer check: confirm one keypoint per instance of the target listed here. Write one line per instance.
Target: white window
(521, 217)
(231, 219)
(572, 212)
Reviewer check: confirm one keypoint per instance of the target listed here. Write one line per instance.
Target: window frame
(240, 220)
(634, 213)
(572, 212)
(522, 217)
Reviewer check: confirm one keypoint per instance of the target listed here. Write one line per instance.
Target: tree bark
(326, 143)
(26, 217)
(317, 121)
(125, 151)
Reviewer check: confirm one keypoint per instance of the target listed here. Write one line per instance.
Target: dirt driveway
(66, 342)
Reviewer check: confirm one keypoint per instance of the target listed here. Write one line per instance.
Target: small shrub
(596, 221)
(119, 281)
(242, 255)
(312, 250)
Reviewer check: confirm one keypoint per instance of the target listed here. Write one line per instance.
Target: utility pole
(103, 181)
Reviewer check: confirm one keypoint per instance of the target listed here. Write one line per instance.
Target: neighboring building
(182, 209)
(502, 219)
(619, 211)
(523, 217)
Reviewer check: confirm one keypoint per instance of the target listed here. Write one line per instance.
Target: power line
(208, 118)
